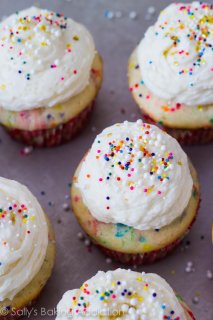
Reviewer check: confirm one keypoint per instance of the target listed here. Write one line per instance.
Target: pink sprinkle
(98, 151)
(113, 296)
(145, 190)
(129, 175)
(147, 97)
(159, 192)
(131, 188)
(100, 179)
(62, 78)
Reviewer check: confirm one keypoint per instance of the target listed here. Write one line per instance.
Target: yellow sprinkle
(140, 298)
(58, 107)
(132, 65)
(147, 247)
(68, 45)
(180, 163)
(76, 38)
(150, 189)
(43, 27)
(32, 218)
(3, 87)
(139, 279)
(44, 44)
(200, 108)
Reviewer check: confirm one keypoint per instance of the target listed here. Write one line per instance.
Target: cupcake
(135, 193)
(170, 72)
(50, 76)
(123, 294)
(27, 249)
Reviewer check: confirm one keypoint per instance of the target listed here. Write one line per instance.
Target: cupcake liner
(185, 136)
(187, 310)
(53, 136)
(146, 257)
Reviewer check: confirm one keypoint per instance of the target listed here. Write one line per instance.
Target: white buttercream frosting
(23, 238)
(175, 56)
(137, 175)
(45, 59)
(124, 294)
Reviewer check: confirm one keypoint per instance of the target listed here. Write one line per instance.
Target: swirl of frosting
(137, 175)
(121, 294)
(175, 56)
(23, 238)
(45, 57)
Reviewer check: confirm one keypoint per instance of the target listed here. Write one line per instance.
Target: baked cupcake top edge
(175, 56)
(135, 174)
(46, 58)
(23, 238)
(124, 294)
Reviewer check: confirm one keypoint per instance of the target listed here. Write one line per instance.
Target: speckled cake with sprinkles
(171, 73)
(123, 294)
(50, 76)
(27, 248)
(135, 193)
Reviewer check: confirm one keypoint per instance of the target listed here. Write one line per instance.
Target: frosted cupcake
(123, 294)
(170, 72)
(135, 193)
(50, 76)
(27, 249)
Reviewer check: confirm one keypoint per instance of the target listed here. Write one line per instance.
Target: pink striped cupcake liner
(53, 136)
(185, 136)
(146, 257)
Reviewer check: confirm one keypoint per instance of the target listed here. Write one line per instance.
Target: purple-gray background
(52, 170)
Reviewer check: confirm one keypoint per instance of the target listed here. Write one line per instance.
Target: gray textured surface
(52, 170)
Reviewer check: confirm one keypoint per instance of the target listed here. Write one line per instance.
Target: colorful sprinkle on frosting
(122, 294)
(44, 59)
(133, 175)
